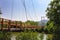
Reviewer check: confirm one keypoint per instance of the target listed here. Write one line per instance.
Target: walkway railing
(14, 25)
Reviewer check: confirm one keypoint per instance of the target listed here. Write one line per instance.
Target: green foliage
(27, 36)
(56, 37)
(4, 36)
(41, 36)
(40, 30)
(53, 13)
(49, 36)
(32, 22)
(50, 27)
(5, 25)
(46, 30)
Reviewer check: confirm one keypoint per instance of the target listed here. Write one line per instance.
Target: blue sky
(34, 8)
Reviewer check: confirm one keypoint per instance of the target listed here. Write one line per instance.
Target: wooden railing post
(9, 23)
(2, 24)
(16, 24)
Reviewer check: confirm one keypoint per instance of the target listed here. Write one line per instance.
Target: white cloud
(43, 1)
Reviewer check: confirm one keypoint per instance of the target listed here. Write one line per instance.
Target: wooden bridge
(10, 25)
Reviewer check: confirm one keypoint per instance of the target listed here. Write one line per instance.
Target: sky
(35, 9)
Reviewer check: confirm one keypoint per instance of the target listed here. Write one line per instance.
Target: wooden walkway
(14, 25)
